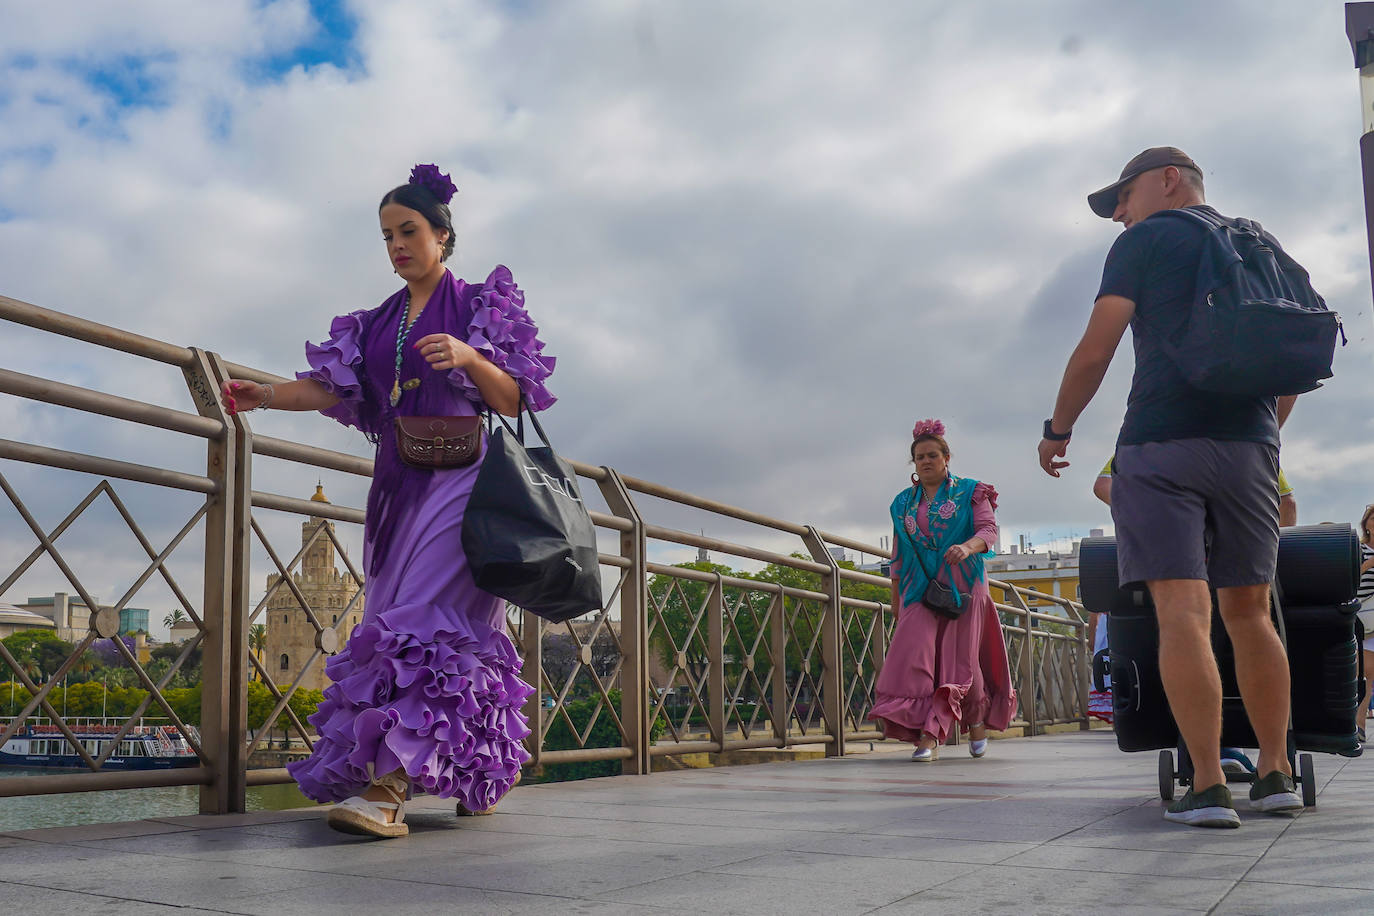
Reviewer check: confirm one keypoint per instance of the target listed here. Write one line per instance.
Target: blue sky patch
(331, 42)
(128, 81)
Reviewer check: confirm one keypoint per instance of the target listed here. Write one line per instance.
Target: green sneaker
(1275, 794)
(1210, 808)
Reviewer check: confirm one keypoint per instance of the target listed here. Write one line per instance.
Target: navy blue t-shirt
(1154, 263)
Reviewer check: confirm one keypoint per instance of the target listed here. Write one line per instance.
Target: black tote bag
(526, 532)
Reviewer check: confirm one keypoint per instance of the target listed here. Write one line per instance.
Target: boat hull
(73, 762)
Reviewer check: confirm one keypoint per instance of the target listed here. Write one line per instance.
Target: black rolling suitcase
(1317, 574)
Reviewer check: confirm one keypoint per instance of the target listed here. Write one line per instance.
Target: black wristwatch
(1053, 436)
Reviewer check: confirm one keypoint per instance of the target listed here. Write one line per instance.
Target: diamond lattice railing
(103, 619)
(803, 631)
(748, 701)
(328, 637)
(859, 673)
(678, 609)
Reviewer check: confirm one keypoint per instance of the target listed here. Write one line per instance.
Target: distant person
(1365, 594)
(427, 692)
(1187, 461)
(943, 672)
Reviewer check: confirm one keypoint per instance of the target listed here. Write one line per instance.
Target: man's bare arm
(1083, 376)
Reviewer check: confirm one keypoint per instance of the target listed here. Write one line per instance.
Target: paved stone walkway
(1054, 824)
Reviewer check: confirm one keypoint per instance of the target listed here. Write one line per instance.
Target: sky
(762, 239)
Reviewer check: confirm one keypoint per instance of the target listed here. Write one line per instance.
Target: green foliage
(304, 703)
(603, 734)
(13, 697)
(260, 703)
(185, 702)
(682, 630)
(39, 652)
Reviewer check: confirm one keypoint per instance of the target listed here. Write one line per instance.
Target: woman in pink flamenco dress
(427, 694)
(941, 673)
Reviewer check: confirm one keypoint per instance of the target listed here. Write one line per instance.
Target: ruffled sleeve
(503, 332)
(984, 517)
(337, 364)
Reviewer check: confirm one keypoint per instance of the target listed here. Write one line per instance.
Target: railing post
(223, 718)
(1028, 679)
(532, 650)
(1085, 656)
(832, 675)
(777, 629)
(715, 673)
(634, 624)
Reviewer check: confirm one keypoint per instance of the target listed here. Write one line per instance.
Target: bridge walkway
(1054, 824)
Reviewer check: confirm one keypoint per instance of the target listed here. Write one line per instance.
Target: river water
(32, 812)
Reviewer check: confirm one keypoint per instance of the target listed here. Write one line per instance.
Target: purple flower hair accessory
(436, 182)
(927, 428)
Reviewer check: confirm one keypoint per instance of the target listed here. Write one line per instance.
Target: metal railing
(703, 661)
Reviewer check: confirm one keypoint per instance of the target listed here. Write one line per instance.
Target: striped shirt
(1366, 592)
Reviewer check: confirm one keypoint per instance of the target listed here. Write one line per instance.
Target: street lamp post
(1359, 26)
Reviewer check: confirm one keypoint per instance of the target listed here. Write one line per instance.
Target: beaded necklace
(944, 509)
(402, 332)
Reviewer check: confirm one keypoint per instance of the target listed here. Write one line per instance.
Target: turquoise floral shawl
(950, 521)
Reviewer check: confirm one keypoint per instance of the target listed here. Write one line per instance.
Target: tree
(177, 616)
(257, 642)
(304, 702)
(558, 651)
(39, 648)
(185, 702)
(679, 602)
(108, 655)
(162, 657)
(13, 697)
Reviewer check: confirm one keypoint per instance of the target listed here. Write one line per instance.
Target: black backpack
(1257, 328)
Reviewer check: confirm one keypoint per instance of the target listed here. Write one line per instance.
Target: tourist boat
(41, 745)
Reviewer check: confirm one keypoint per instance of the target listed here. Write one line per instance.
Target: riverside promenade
(1053, 824)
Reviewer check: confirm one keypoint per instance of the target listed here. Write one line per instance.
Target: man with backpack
(1195, 492)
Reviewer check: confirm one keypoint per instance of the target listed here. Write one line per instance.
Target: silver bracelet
(267, 402)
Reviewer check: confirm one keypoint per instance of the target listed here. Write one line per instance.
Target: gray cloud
(762, 239)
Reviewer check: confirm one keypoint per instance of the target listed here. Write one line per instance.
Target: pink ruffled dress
(941, 674)
(429, 681)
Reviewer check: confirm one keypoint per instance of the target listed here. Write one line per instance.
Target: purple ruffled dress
(429, 681)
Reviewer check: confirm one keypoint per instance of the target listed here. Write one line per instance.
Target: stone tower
(291, 640)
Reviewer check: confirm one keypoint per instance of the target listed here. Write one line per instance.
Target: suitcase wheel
(1166, 775)
(1309, 780)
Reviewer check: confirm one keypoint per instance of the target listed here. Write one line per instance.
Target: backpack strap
(1197, 216)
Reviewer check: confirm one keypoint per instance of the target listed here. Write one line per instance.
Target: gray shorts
(1196, 509)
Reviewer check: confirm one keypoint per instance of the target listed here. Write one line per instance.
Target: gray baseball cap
(1103, 202)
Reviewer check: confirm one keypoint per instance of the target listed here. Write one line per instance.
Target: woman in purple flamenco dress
(427, 694)
(943, 674)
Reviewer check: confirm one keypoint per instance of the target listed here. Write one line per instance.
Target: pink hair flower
(927, 428)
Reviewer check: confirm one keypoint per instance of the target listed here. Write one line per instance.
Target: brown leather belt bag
(439, 442)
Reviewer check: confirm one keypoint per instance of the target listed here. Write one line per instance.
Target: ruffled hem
(904, 718)
(503, 332)
(335, 364)
(418, 691)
